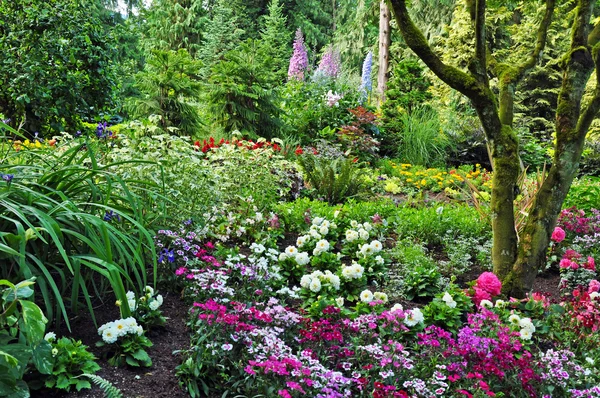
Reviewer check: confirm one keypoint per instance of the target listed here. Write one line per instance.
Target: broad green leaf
(42, 357)
(34, 321)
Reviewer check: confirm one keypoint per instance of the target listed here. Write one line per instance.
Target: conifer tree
(276, 37)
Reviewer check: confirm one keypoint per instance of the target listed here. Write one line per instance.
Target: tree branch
(480, 68)
(591, 110)
(540, 44)
(414, 38)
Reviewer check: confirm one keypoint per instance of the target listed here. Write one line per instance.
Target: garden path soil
(158, 381)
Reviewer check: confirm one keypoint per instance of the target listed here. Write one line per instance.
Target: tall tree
(384, 50)
(57, 62)
(276, 37)
(517, 255)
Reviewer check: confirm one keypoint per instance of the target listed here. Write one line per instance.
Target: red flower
(298, 151)
(378, 385)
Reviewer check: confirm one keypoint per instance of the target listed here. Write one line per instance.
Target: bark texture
(384, 50)
(516, 259)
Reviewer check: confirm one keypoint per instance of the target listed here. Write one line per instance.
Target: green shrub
(71, 359)
(584, 194)
(333, 180)
(421, 141)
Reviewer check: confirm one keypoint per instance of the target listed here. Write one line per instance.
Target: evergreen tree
(240, 96)
(169, 86)
(276, 37)
(222, 34)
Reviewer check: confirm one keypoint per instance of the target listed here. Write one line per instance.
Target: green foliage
(57, 62)
(430, 227)
(71, 359)
(174, 24)
(420, 282)
(448, 309)
(334, 180)
(307, 112)
(313, 17)
(240, 96)
(421, 141)
(276, 38)
(407, 87)
(222, 34)
(178, 184)
(110, 391)
(22, 344)
(584, 194)
(73, 224)
(168, 87)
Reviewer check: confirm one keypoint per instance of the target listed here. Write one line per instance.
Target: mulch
(158, 381)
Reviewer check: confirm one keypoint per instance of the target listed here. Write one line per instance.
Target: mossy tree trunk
(516, 259)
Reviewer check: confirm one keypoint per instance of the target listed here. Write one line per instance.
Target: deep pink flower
(591, 264)
(558, 235)
(480, 295)
(490, 283)
(565, 263)
(284, 394)
(594, 286)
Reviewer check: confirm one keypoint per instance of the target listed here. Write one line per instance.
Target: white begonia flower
(132, 305)
(50, 337)
(257, 248)
(500, 303)
(526, 334)
(486, 304)
(368, 227)
(339, 301)
(376, 246)
(301, 241)
(305, 281)
(283, 256)
(130, 295)
(397, 307)
(315, 234)
(366, 250)
(358, 270)
(139, 330)
(379, 260)
(159, 299)
(525, 323)
(588, 359)
(414, 317)
(326, 224)
(335, 281)
(302, 258)
(447, 298)
(149, 290)
(323, 230)
(366, 296)
(336, 214)
(109, 335)
(322, 245)
(291, 251)
(259, 216)
(354, 223)
(120, 328)
(363, 234)
(153, 305)
(514, 319)
(351, 235)
(381, 296)
(315, 285)
(317, 221)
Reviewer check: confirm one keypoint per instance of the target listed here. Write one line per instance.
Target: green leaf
(34, 321)
(131, 361)
(81, 384)
(62, 382)
(42, 357)
(7, 359)
(141, 355)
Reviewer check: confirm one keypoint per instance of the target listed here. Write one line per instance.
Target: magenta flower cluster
(299, 60)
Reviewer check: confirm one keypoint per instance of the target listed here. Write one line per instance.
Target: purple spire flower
(299, 60)
(330, 63)
(366, 84)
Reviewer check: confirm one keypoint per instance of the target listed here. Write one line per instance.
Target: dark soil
(159, 380)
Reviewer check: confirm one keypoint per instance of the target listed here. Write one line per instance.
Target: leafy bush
(584, 193)
(74, 225)
(22, 344)
(71, 359)
(334, 180)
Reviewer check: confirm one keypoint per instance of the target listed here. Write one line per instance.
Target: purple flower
(330, 63)
(110, 215)
(7, 177)
(78, 134)
(299, 60)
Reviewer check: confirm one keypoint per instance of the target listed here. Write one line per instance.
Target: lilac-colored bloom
(366, 84)
(7, 177)
(299, 60)
(330, 63)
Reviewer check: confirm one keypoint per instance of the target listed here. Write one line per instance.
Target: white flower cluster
(358, 231)
(292, 252)
(369, 249)
(111, 331)
(413, 317)
(366, 296)
(354, 271)
(527, 327)
(153, 302)
(315, 281)
(50, 337)
(321, 247)
(447, 298)
(319, 228)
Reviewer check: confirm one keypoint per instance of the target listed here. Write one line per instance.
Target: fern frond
(110, 391)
